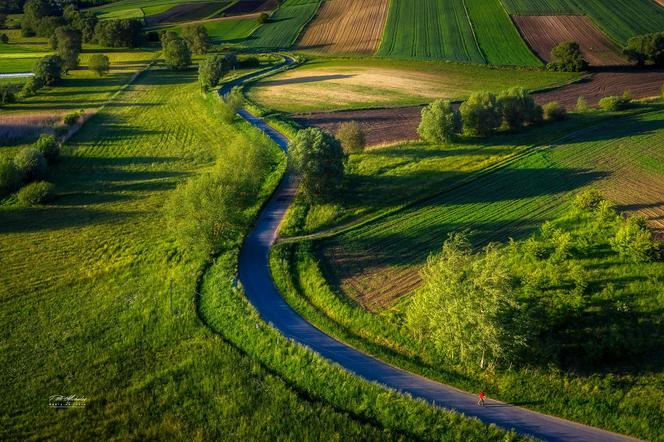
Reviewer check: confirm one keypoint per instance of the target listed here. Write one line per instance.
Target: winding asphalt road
(254, 273)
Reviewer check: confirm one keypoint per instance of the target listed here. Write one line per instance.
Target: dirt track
(384, 126)
(543, 33)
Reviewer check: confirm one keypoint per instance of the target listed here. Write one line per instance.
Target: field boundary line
(530, 150)
(472, 29)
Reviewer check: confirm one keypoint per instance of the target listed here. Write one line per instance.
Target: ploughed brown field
(385, 126)
(345, 27)
(543, 33)
(183, 12)
(249, 6)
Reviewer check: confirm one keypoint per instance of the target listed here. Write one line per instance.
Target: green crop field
(140, 9)
(620, 19)
(429, 29)
(231, 31)
(284, 26)
(497, 36)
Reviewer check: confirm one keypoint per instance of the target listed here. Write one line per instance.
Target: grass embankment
(85, 285)
(335, 84)
(377, 263)
(284, 25)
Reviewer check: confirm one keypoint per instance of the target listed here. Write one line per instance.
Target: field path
(256, 278)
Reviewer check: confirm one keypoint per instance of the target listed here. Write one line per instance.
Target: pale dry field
(543, 33)
(346, 27)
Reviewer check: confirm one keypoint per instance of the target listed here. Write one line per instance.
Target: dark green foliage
(567, 57)
(30, 164)
(119, 33)
(211, 70)
(440, 122)
(4, 38)
(581, 105)
(84, 22)
(481, 114)
(176, 52)
(588, 200)
(612, 103)
(634, 241)
(100, 64)
(10, 176)
(351, 136)
(262, 18)
(7, 94)
(36, 193)
(3, 21)
(250, 62)
(319, 159)
(68, 46)
(32, 86)
(72, 119)
(518, 108)
(48, 70)
(48, 146)
(197, 38)
(644, 49)
(152, 36)
(33, 13)
(554, 111)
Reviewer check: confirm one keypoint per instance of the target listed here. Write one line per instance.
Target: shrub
(36, 193)
(7, 95)
(611, 103)
(318, 157)
(48, 70)
(627, 96)
(4, 38)
(100, 64)
(588, 200)
(581, 105)
(30, 164)
(249, 62)
(211, 70)
(176, 53)
(554, 111)
(48, 146)
(10, 176)
(31, 86)
(648, 48)
(634, 241)
(72, 119)
(440, 122)
(480, 113)
(152, 36)
(262, 18)
(567, 57)
(235, 98)
(517, 108)
(351, 136)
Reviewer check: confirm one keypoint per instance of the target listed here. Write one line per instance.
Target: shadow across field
(309, 79)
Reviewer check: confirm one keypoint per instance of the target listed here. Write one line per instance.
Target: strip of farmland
(430, 29)
(251, 6)
(543, 33)
(619, 19)
(345, 27)
(499, 40)
(379, 262)
(284, 25)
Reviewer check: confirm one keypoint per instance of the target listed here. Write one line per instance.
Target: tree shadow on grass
(302, 80)
(49, 219)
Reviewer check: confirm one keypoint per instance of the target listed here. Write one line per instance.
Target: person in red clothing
(481, 401)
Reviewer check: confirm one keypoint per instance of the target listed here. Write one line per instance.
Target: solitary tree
(648, 48)
(318, 157)
(68, 46)
(567, 57)
(480, 113)
(351, 136)
(440, 122)
(196, 37)
(48, 70)
(211, 70)
(100, 64)
(176, 53)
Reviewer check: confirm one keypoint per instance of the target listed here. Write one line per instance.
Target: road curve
(255, 276)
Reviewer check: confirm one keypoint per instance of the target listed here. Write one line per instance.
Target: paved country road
(256, 278)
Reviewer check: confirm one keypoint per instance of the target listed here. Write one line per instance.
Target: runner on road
(481, 401)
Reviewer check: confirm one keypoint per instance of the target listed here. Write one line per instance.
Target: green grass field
(228, 31)
(429, 29)
(333, 84)
(497, 36)
(284, 25)
(620, 19)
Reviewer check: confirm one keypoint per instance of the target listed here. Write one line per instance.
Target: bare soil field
(184, 12)
(385, 126)
(543, 33)
(250, 6)
(346, 27)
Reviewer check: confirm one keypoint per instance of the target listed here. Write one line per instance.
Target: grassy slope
(333, 84)
(86, 283)
(620, 19)
(284, 25)
(429, 29)
(497, 36)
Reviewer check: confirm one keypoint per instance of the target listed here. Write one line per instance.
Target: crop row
(285, 25)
